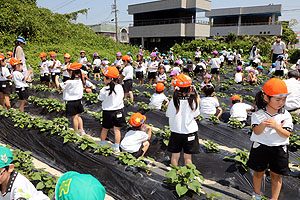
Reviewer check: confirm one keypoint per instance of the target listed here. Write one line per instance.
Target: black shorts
(239, 62)
(197, 59)
(65, 78)
(139, 74)
(22, 93)
(279, 73)
(6, 87)
(171, 62)
(266, 157)
(186, 70)
(127, 86)
(274, 57)
(139, 153)
(113, 118)
(215, 71)
(45, 78)
(254, 64)
(74, 107)
(188, 142)
(53, 75)
(222, 64)
(151, 75)
(96, 70)
(230, 62)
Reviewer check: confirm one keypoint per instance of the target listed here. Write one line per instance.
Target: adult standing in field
(278, 48)
(19, 54)
(253, 52)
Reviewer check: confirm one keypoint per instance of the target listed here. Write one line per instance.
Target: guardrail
(246, 24)
(168, 21)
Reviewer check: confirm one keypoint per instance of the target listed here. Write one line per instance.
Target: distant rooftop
(104, 28)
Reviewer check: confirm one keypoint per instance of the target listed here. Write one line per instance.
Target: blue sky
(100, 10)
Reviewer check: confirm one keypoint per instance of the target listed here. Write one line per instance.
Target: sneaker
(116, 150)
(256, 197)
(103, 143)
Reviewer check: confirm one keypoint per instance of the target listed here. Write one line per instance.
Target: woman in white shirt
(112, 105)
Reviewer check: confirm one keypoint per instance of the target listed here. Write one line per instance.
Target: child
(106, 60)
(104, 64)
(176, 67)
(251, 78)
(280, 65)
(127, 77)
(230, 58)
(44, 70)
(9, 56)
(210, 104)
(82, 60)
(222, 59)
(158, 97)
(182, 112)
(112, 105)
(238, 76)
(152, 68)
(259, 71)
(162, 76)
(20, 81)
(72, 95)
(89, 87)
(248, 67)
(96, 66)
(206, 81)
(272, 126)
(171, 58)
(118, 62)
(139, 68)
(215, 66)
(167, 66)
(197, 55)
(65, 67)
(136, 141)
(13, 184)
(239, 57)
(239, 110)
(54, 65)
(5, 84)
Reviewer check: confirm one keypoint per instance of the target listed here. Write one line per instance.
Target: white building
(110, 31)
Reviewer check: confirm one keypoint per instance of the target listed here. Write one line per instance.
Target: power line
(64, 4)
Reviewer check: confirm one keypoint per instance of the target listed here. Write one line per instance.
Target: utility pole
(116, 19)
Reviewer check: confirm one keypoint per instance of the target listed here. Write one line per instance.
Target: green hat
(229, 49)
(75, 186)
(6, 156)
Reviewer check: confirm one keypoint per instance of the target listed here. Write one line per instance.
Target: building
(166, 22)
(110, 31)
(258, 20)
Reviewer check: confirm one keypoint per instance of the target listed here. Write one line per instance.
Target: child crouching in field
(136, 141)
(210, 104)
(272, 126)
(239, 110)
(158, 98)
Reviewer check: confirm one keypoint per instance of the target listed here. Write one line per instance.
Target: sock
(116, 146)
(102, 143)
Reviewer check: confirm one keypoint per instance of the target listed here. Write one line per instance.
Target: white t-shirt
(45, 69)
(55, 69)
(208, 106)
(222, 58)
(293, 100)
(239, 111)
(65, 66)
(82, 60)
(224, 53)
(231, 57)
(18, 79)
(298, 62)
(204, 84)
(269, 136)
(278, 48)
(238, 77)
(128, 72)
(133, 140)
(141, 68)
(73, 90)
(97, 62)
(177, 69)
(89, 84)
(184, 121)
(167, 68)
(215, 63)
(162, 77)
(202, 65)
(152, 64)
(239, 57)
(4, 73)
(248, 68)
(20, 187)
(156, 100)
(118, 62)
(197, 54)
(113, 101)
(280, 65)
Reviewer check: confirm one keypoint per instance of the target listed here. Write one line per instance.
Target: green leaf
(181, 189)
(40, 186)
(36, 177)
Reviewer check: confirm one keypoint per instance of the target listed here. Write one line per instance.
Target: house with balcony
(257, 20)
(166, 22)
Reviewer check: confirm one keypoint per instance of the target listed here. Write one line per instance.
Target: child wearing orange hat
(112, 105)
(72, 95)
(182, 111)
(54, 65)
(239, 110)
(65, 66)
(272, 126)
(136, 141)
(127, 77)
(158, 98)
(44, 70)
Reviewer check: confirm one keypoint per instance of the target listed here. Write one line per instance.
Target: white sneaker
(256, 197)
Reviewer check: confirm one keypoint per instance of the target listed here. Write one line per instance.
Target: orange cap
(160, 87)
(126, 57)
(75, 66)
(14, 61)
(52, 53)
(234, 97)
(275, 87)
(43, 54)
(111, 72)
(10, 53)
(182, 80)
(137, 119)
(67, 55)
(2, 57)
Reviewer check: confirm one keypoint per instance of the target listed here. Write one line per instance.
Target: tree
(288, 35)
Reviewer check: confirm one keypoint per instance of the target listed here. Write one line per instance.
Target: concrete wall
(275, 29)
(197, 30)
